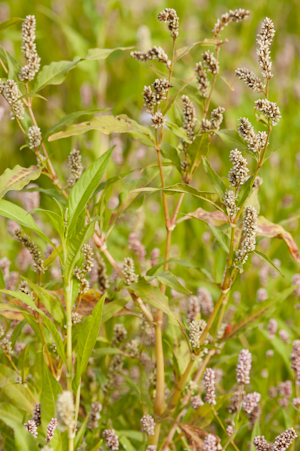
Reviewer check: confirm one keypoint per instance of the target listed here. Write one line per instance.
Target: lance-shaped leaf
(107, 125)
(50, 390)
(87, 340)
(215, 218)
(48, 323)
(101, 54)
(17, 178)
(84, 189)
(72, 117)
(168, 279)
(54, 73)
(270, 230)
(74, 248)
(22, 217)
(178, 131)
(232, 139)
(7, 23)
(215, 179)
(15, 392)
(269, 261)
(52, 305)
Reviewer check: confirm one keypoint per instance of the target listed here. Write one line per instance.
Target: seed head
(196, 329)
(249, 232)
(153, 53)
(205, 300)
(76, 318)
(120, 334)
(10, 91)
(272, 328)
(284, 440)
(94, 416)
(193, 308)
(264, 40)
(230, 203)
(196, 402)
(27, 72)
(135, 244)
(261, 443)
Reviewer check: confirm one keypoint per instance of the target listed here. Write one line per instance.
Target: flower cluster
(215, 121)
(51, 429)
(189, 116)
(202, 80)
(196, 329)
(112, 440)
(238, 174)
(10, 91)
(251, 401)
(94, 416)
(210, 62)
(230, 203)
(250, 79)
(295, 360)
(120, 334)
(148, 424)
(169, 16)
(128, 270)
(154, 53)
(246, 131)
(155, 97)
(210, 443)
(281, 443)
(269, 109)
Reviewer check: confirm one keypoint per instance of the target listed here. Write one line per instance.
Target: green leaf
(22, 217)
(75, 246)
(178, 261)
(215, 179)
(53, 306)
(168, 104)
(7, 23)
(54, 73)
(2, 283)
(178, 131)
(24, 440)
(55, 220)
(279, 347)
(17, 178)
(80, 434)
(17, 331)
(87, 341)
(255, 433)
(232, 139)
(101, 54)
(170, 153)
(71, 117)
(244, 191)
(15, 392)
(85, 187)
(23, 363)
(110, 309)
(269, 261)
(168, 279)
(48, 323)
(221, 238)
(13, 66)
(107, 125)
(10, 415)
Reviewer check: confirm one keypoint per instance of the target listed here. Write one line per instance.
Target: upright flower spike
(196, 329)
(209, 383)
(284, 440)
(230, 203)
(261, 443)
(27, 72)
(243, 367)
(249, 233)
(94, 416)
(34, 136)
(51, 429)
(169, 16)
(65, 411)
(264, 41)
(250, 402)
(31, 427)
(154, 53)
(128, 270)
(210, 443)
(295, 360)
(75, 166)
(189, 116)
(193, 308)
(236, 15)
(205, 300)
(38, 262)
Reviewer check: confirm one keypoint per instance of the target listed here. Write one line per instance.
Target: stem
(180, 385)
(68, 297)
(19, 374)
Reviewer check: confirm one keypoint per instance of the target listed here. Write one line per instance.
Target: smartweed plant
(102, 355)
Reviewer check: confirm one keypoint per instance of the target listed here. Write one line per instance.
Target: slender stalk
(19, 374)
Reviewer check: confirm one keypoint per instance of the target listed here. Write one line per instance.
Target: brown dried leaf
(215, 218)
(270, 230)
